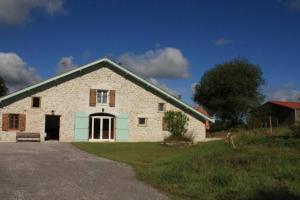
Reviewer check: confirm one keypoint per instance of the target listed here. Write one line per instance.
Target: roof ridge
(137, 77)
(288, 104)
(286, 101)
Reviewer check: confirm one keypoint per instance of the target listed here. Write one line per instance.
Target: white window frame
(101, 97)
(101, 118)
(146, 121)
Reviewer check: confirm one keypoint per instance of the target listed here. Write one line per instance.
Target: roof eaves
(287, 104)
(49, 80)
(149, 84)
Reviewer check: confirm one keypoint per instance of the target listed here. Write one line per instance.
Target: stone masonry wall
(73, 96)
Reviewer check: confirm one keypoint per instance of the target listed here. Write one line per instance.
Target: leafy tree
(3, 88)
(259, 117)
(176, 123)
(230, 90)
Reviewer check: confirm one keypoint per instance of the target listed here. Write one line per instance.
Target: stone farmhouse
(100, 101)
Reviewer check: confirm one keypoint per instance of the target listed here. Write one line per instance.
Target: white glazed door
(102, 128)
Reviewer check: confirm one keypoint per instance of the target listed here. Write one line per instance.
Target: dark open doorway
(52, 125)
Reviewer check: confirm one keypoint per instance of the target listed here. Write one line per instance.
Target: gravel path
(55, 170)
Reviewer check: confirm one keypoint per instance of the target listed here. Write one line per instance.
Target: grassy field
(261, 168)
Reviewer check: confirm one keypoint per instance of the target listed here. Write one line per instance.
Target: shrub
(176, 123)
(184, 138)
(296, 130)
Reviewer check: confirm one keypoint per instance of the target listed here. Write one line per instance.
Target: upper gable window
(161, 107)
(102, 96)
(36, 102)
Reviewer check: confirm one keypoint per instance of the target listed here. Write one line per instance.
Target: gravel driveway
(60, 171)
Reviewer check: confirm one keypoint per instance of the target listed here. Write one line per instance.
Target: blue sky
(171, 41)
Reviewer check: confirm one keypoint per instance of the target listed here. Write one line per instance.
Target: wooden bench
(25, 136)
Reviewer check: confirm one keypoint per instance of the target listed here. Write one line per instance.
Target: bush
(184, 138)
(296, 130)
(176, 123)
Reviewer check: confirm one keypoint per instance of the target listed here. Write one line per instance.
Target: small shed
(280, 113)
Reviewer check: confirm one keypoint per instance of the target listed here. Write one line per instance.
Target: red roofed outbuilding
(283, 112)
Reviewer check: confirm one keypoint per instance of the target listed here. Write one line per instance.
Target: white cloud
(163, 63)
(294, 4)
(286, 92)
(16, 73)
(164, 87)
(65, 64)
(221, 42)
(291, 4)
(193, 87)
(14, 12)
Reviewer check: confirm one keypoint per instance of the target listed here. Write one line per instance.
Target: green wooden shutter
(122, 128)
(81, 132)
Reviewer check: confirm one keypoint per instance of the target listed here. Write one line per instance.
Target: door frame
(51, 115)
(92, 139)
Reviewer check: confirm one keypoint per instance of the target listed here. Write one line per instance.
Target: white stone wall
(73, 96)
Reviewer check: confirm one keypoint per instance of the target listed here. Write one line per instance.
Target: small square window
(36, 102)
(161, 107)
(142, 121)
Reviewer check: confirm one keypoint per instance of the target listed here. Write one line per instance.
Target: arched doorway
(101, 127)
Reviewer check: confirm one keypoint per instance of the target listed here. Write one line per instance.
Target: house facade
(100, 101)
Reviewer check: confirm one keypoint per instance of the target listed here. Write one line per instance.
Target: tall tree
(230, 90)
(3, 88)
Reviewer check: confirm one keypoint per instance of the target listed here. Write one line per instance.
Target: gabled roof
(287, 104)
(120, 68)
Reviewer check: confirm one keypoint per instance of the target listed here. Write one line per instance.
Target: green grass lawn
(260, 168)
